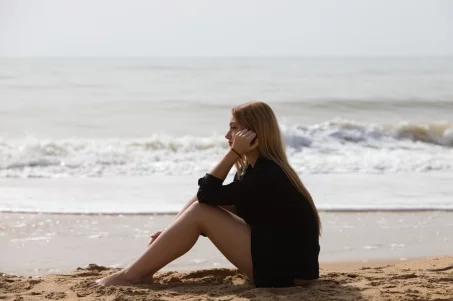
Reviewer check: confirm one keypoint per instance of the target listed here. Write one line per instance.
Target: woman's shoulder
(263, 168)
(269, 167)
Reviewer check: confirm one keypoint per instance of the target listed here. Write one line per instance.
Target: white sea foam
(332, 147)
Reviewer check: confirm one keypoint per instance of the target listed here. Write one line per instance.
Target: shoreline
(390, 210)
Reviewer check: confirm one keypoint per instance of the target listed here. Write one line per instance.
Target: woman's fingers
(156, 234)
(154, 237)
(243, 141)
(151, 241)
(249, 134)
(246, 133)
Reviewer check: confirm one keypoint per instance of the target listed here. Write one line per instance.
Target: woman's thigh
(229, 233)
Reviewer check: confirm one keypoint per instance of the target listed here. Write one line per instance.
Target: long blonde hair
(259, 117)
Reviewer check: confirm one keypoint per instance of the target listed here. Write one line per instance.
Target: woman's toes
(115, 279)
(91, 283)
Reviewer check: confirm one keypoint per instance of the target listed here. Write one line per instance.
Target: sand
(356, 248)
(422, 279)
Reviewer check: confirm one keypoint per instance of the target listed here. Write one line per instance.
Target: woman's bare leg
(229, 233)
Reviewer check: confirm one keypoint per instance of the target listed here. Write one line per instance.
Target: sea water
(75, 134)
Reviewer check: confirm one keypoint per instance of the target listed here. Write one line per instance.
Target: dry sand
(421, 279)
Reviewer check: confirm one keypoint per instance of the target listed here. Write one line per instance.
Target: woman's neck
(252, 157)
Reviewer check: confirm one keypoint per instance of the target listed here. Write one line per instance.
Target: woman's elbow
(206, 198)
(201, 196)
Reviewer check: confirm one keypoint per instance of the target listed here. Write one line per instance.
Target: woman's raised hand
(242, 142)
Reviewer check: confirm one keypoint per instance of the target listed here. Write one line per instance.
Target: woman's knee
(205, 212)
(198, 208)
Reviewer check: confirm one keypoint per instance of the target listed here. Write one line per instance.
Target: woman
(265, 222)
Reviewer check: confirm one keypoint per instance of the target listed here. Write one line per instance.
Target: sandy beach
(364, 256)
(423, 279)
(356, 245)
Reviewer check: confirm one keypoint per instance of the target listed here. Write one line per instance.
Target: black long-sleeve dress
(284, 235)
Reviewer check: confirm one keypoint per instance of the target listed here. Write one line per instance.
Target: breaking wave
(331, 147)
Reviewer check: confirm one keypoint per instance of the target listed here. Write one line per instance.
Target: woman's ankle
(131, 276)
(148, 279)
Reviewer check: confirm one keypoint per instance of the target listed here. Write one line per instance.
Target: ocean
(132, 136)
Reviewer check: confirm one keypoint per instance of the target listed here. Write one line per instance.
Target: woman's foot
(118, 278)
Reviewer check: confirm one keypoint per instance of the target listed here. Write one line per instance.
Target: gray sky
(226, 28)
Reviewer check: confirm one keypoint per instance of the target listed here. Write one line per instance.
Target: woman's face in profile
(234, 127)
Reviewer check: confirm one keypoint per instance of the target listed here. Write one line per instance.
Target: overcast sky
(226, 28)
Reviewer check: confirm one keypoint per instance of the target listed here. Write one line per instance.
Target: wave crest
(437, 133)
(329, 147)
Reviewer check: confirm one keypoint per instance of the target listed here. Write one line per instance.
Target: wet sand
(38, 244)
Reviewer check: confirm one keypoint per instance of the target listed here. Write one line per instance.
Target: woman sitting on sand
(264, 222)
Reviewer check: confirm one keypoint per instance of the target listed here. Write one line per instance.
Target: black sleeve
(235, 179)
(249, 188)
